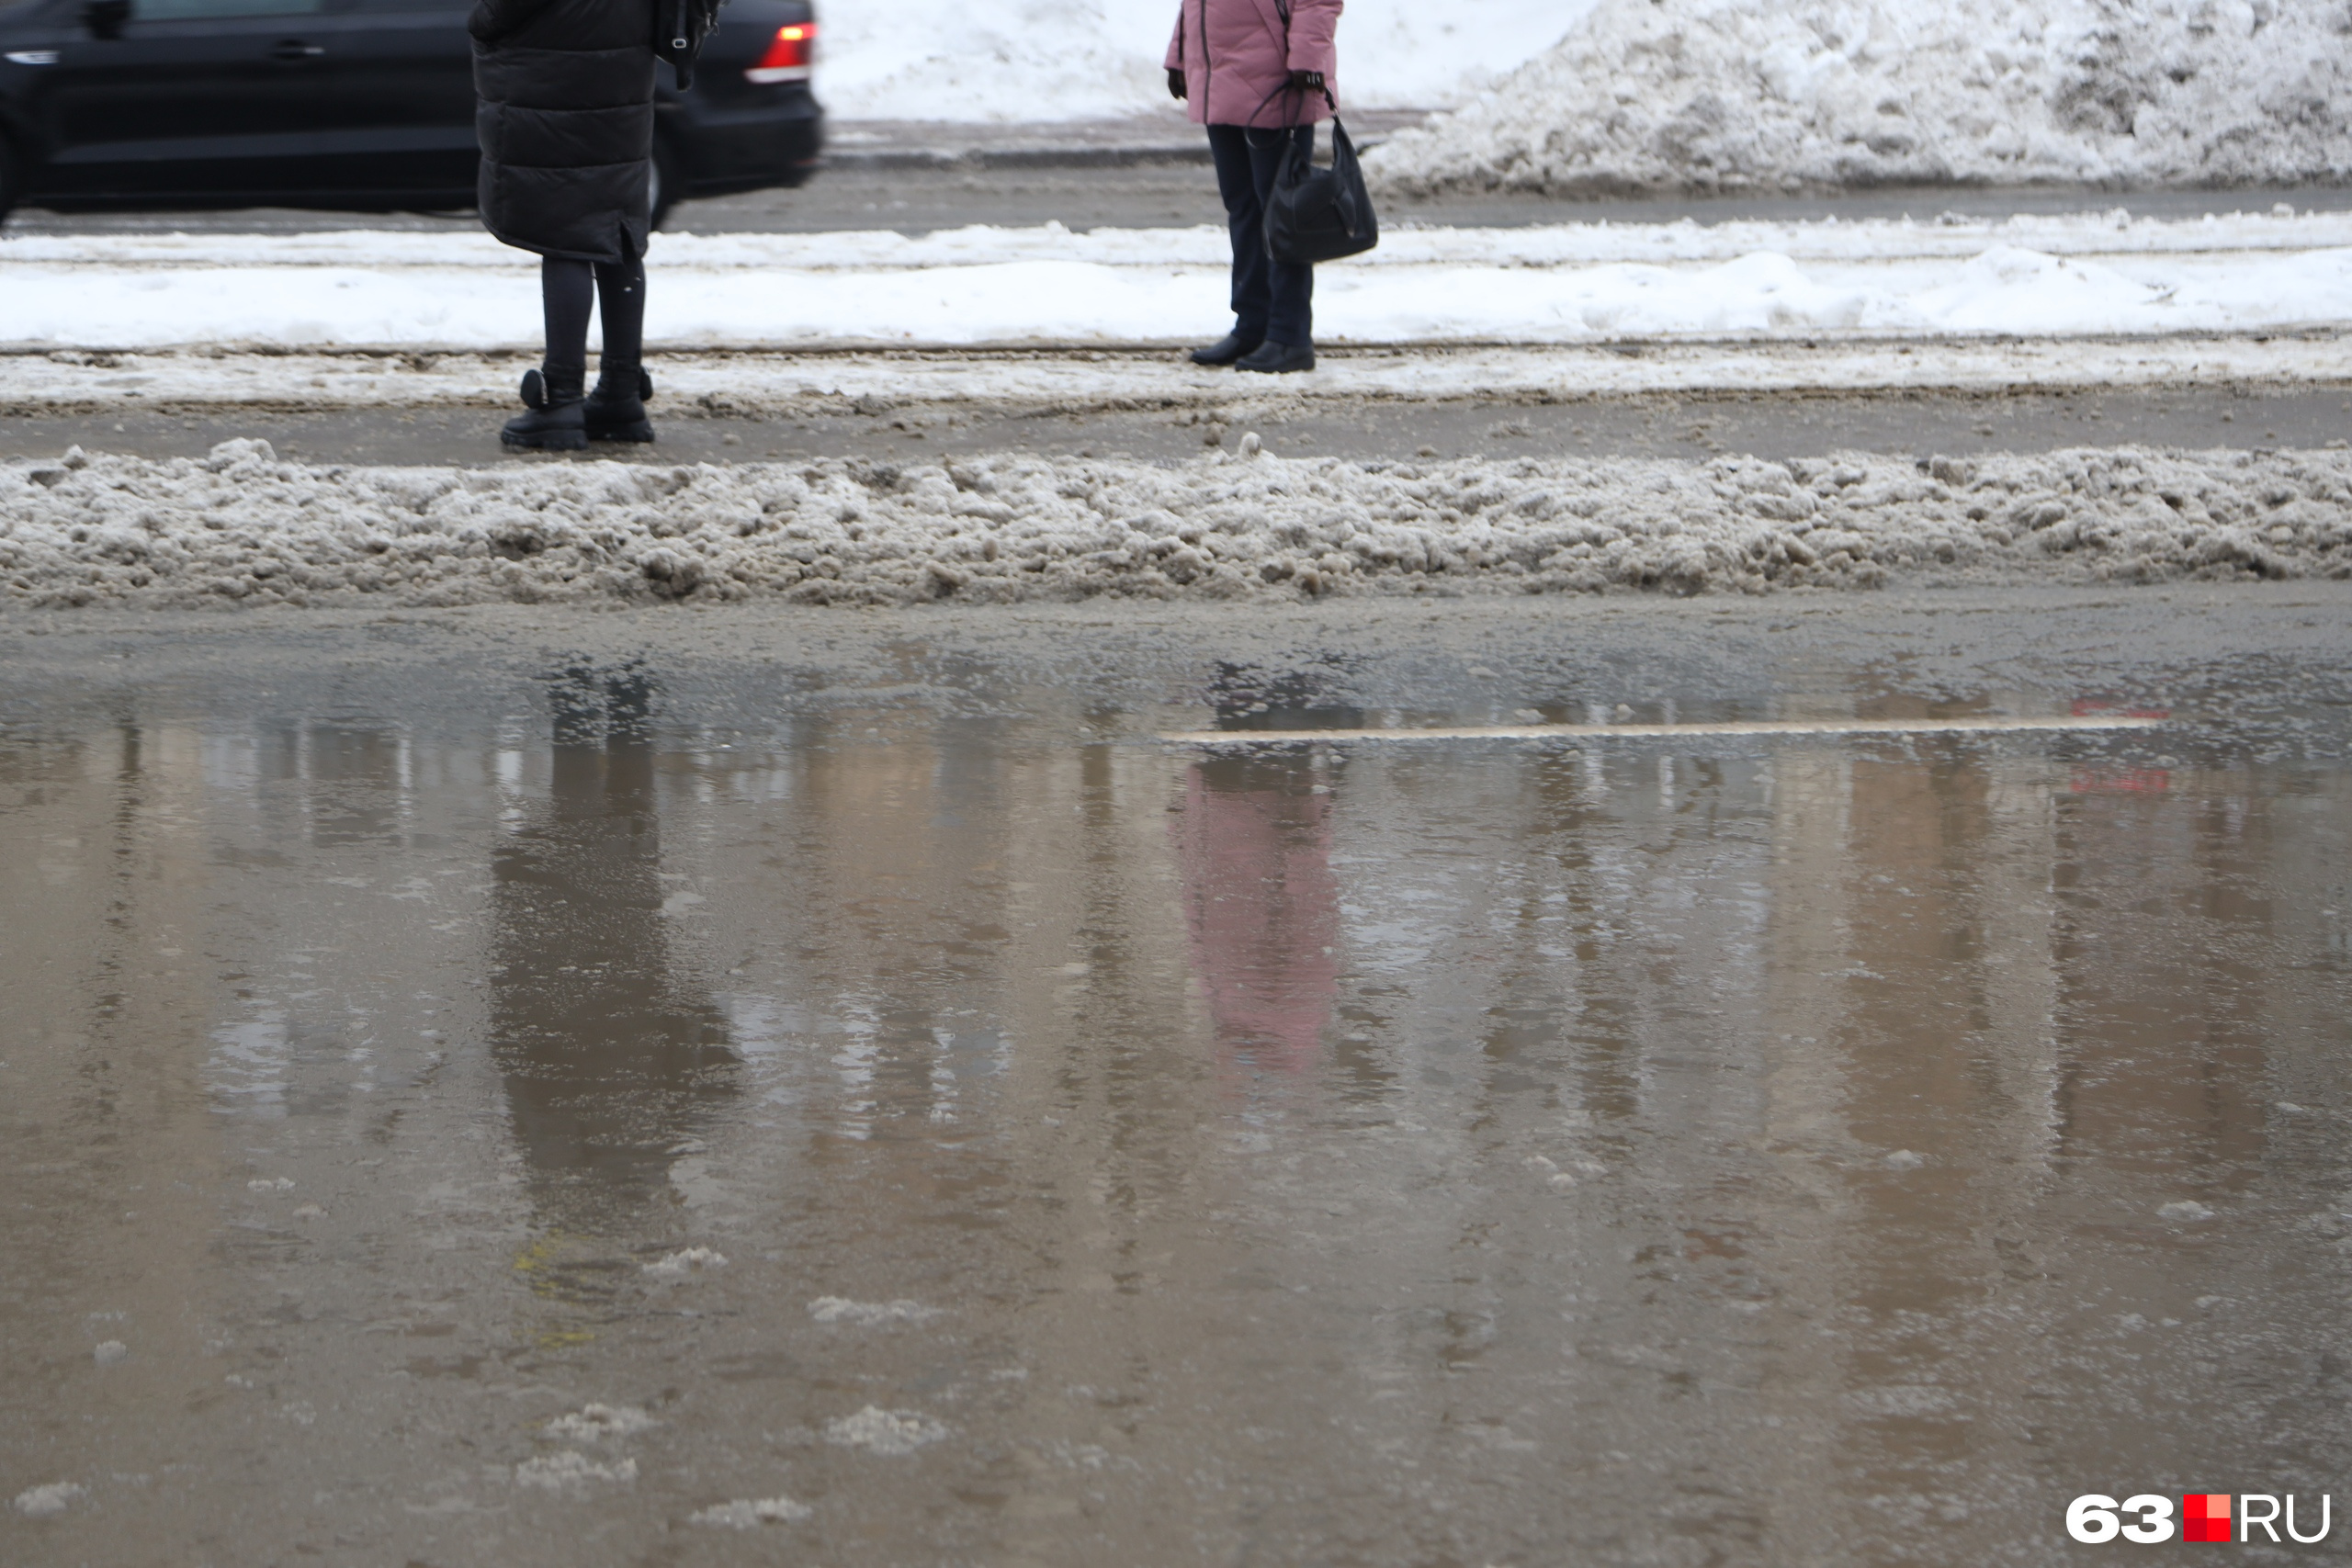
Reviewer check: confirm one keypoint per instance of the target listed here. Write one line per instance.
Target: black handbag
(1319, 215)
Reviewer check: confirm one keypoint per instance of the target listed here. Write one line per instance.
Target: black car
(358, 105)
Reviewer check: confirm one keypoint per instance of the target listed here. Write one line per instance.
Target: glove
(1175, 82)
(1307, 81)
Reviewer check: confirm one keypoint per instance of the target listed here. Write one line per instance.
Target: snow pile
(1060, 60)
(242, 526)
(1738, 95)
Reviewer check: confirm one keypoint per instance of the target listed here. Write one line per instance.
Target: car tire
(667, 181)
(11, 177)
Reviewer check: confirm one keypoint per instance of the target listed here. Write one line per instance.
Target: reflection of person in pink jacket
(1259, 74)
(1253, 845)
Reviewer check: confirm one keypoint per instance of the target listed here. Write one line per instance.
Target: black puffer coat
(564, 113)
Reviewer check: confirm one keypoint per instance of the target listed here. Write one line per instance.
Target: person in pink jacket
(1260, 75)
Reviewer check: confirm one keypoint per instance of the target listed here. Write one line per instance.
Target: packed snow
(2067, 276)
(1714, 95)
(1060, 60)
(2109, 230)
(243, 527)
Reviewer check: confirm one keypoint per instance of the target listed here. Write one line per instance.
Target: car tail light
(790, 54)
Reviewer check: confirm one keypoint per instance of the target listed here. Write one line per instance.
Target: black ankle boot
(1225, 350)
(555, 422)
(1273, 358)
(615, 409)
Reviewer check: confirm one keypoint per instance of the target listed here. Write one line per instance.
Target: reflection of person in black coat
(609, 1058)
(564, 114)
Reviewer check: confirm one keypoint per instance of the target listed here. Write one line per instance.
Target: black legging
(567, 287)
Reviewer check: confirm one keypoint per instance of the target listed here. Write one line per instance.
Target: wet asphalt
(510, 1087)
(1920, 423)
(1148, 195)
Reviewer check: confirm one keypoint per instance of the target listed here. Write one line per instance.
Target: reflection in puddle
(1252, 841)
(1697, 1149)
(609, 1057)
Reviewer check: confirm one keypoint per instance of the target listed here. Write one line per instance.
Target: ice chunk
(880, 1431)
(749, 1514)
(692, 1260)
(555, 1473)
(869, 1314)
(47, 1502)
(591, 1422)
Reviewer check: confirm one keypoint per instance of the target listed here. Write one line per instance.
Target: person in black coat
(564, 114)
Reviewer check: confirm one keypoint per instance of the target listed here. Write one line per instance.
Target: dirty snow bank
(243, 526)
(1741, 95)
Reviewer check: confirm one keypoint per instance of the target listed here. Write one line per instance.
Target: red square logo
(2205, 1516)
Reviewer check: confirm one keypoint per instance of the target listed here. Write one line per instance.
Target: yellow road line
(2001, 724)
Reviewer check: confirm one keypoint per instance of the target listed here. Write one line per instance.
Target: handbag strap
(1281, 9)
(1282, 88)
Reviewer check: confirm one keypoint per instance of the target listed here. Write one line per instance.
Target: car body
(357, 105)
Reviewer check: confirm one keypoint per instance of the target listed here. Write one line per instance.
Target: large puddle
(876, 1103)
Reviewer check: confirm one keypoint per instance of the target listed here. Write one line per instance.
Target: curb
(1019, 158)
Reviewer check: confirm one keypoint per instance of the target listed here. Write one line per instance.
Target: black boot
(615, 409)
(1278, 358)
(1225, 350)
(555, 422)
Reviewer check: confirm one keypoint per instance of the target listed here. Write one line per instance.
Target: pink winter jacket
(1235, 60)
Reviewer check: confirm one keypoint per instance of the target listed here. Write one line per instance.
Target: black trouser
(567, 287)
(1272, 299)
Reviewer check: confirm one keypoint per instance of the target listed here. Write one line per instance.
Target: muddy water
(682, 1089)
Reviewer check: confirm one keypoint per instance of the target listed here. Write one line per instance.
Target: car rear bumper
(747, 146)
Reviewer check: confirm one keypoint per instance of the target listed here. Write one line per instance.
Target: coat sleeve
(1314, 41)
(494, 19)
(1175, 60)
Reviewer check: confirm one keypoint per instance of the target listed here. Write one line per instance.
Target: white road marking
(1994, 724)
